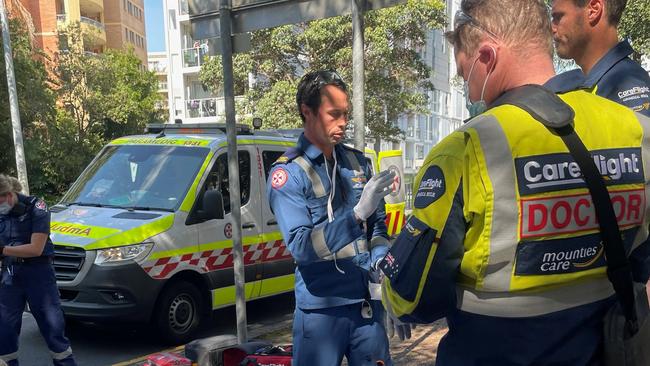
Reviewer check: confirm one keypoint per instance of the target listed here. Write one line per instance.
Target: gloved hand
(377, 188)
(395, 326)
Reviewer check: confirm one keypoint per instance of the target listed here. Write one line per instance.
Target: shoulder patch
(289, 155)
(40, 204)
(279, 178)
(432, 187)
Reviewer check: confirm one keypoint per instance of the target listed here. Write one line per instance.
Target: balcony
(206, 107)
(91, 6)
(183, 7)
(94, 31)
(194, 57)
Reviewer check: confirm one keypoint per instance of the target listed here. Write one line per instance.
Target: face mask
(5, 208)
(478, 107)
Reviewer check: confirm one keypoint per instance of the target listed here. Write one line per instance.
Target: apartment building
(158, 63)
(107, 23)
(189, 100)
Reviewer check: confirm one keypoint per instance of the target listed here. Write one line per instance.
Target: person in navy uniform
(585, 31)
(27, 274)
(330, 211)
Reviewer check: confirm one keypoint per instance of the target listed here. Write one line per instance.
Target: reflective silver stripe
(318, 242)
(361, 245)
(316, 182)
(505, 211)
(642, 234)
(378, 241)
(345, 252)
(354, 162)
(61, 355)
(9, 357)
(517, 305)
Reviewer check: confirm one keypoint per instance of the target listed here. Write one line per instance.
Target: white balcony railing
(93, 22)
(207, 107)
(193, 57)
(183, 7)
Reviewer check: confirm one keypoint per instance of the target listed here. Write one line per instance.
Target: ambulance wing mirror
(212, 205)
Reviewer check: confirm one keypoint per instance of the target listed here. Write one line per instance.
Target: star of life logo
(545, 173)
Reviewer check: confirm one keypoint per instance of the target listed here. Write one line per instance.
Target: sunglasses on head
(461, 18)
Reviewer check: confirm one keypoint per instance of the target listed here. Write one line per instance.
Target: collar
(611, 58)
(566, 81)
(312, 152)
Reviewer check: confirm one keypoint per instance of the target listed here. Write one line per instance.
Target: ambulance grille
(68, 262)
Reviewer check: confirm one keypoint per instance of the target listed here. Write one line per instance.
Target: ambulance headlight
(121, 254)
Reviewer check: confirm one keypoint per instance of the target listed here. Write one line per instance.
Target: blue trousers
(33, 283)
(321, 337)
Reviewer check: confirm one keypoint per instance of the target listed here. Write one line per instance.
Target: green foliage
(635, 25)
(98, 98)
(396, 78)
(35, 100)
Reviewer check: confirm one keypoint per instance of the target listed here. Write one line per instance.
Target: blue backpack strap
(289, 155)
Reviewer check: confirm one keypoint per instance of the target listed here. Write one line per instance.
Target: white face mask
(5, 208)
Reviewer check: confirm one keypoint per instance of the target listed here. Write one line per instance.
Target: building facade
(158, 63)
(105, 23)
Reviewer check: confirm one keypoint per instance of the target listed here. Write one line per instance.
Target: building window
(435, 101)
(419, 152)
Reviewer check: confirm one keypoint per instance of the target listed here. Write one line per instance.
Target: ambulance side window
(269, 157)
(218, 178)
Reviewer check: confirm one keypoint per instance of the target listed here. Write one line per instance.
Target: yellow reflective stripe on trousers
(642, 233)
(505, 211)
(271, 286)
(516, 305)
(314, 178)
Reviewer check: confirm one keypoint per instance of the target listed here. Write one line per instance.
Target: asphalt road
(100, 345)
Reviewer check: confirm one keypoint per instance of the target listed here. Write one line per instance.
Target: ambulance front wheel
(178, 312)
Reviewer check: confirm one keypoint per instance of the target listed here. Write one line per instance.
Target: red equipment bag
(167, 359)
(269, 356)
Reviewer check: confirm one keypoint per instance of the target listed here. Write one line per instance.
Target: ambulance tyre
(178, 312)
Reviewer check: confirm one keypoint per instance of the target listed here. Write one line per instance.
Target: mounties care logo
(554, 172)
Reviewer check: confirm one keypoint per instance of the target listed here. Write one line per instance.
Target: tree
(635, 25)
(100, 97)
(35, 100)
(397, 79)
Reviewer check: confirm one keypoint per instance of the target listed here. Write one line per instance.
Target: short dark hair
(613, 8)
(310, 86)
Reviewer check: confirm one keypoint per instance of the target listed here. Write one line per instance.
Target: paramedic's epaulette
(289, 155)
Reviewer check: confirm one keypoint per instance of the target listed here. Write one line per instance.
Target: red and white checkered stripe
(217, 259)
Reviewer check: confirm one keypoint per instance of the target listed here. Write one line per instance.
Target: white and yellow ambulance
(144, 234)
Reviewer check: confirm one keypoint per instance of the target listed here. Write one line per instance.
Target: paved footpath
(419, 350)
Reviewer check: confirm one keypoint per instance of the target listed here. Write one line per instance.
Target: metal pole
(233, 167)
(358, 82)
(21, 167)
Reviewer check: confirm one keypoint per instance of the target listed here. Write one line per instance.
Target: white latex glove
(377, 188)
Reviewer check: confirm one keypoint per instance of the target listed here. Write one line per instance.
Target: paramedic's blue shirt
(615, 76)
(335, 280)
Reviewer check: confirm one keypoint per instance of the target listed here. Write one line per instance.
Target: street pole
(358, 82)
(233, 167)
(21, 167)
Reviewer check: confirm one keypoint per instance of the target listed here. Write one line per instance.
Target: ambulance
(144, 235)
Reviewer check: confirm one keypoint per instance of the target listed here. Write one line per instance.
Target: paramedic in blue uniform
(330, 213)
(27, 274)
(585, 31)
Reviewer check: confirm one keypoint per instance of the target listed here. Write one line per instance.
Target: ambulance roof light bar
(195, 128)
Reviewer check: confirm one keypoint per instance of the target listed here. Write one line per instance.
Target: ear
(595, 11)
(488, 55)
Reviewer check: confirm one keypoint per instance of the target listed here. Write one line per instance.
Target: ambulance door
(278, 269)
(215, 236)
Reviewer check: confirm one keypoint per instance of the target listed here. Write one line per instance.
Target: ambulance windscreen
(141, 177)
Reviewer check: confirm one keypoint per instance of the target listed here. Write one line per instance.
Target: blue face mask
(478, 107)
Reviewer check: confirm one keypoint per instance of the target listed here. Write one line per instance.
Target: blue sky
(153, 21)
